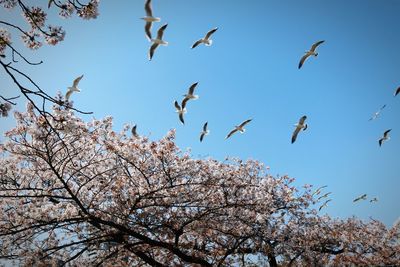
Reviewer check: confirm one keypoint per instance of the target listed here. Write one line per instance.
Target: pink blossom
(35, 16)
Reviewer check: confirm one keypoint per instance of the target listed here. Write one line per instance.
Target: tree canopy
(80, 193)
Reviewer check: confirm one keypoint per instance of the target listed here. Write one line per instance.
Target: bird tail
(209, 42)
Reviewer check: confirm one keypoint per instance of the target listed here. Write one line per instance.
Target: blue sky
(250, 71)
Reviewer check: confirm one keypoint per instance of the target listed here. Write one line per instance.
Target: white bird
(299, 126)
(397, 91)
(311, 52)
(318, 191)
(324, 195)
(73, 88)
(204, 132)
(376, 114)
(149, 19)
(238, 128)
(206, 40)
(134, 133)
(190, 95)
(181, 109)
(158, 41)
(324, 205)
(362, 197)
(385, 137)
(375, 199)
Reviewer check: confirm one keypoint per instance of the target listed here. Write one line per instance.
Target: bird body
(301, 125)
(324, 205)
(318, 191)
(190, 95)
(324, 195)
(362, 197)
(385, 137)
(158, 41)
(238, 128)
(134, 133)
(309, 53)
(181, 109)
(149, 19)
(375, 199)
(73, 88)
(397, 91)
(204, 132)
(376, 114)
(206, 40)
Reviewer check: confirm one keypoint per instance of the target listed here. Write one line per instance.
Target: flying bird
(362, 197)
(376, 114)
(375, 199)
(190, 95)
(204, 132)
(324, 195)
(324, 205)
(238, 128)
(385, 137)
(206, 40)
(74, 87)
(318, 191)
(158, 41)
(299, 126)
(181, 109)
(397, 91)
(134, 133)
(309, 53)
(149, 19)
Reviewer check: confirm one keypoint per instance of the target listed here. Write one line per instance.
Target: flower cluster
(30, 39)
(35, 16)
(55, 35)
(66, 10)
(5, 38)
(89, 11)
(8, 3)
(4, 109)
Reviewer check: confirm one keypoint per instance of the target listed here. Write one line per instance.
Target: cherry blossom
(5, 38)
(75, 192)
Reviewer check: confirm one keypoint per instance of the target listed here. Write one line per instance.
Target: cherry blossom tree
(74, 193)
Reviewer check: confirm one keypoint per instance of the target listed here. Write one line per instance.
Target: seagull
(375, 199)
(299, 126)
(325, 195)
(318, 191)
(158, 41)
(74, 87)
(134, 133)
(310, 53)
(324, 205)
(190, 94)
(376, 114)
(397, 91)
(204, 132)
(385, 137)
(362, 197)
(238, 128)
(149, 19)
(206, 40)
(181, 110)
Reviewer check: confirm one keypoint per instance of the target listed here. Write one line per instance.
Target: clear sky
(250, 71)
